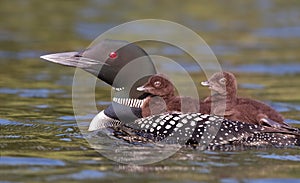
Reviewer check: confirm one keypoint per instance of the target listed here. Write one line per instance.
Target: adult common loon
(109, 58)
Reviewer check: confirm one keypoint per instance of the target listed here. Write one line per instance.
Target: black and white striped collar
(130, 102)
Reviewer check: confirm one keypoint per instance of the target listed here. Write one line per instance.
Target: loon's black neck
(119, 111)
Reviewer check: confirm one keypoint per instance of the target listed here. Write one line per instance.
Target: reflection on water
(123, 152)
(39, 139)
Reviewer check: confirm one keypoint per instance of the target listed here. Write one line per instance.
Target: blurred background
(258, 40)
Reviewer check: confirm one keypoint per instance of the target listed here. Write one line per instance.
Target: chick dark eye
(113, 55)
(222, 81)
(157, 84)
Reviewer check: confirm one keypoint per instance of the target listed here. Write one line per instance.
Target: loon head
(121, 64)
(222, 84)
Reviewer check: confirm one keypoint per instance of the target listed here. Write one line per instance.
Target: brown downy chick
(163, 98)
(224, 100)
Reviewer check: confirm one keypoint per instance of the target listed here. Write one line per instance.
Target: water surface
(40, 142)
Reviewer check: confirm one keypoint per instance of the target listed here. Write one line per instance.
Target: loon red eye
(113, 55)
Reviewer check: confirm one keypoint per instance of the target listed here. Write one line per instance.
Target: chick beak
(205, 83)
(141, 88)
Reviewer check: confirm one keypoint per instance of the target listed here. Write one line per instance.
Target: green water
(257, 40)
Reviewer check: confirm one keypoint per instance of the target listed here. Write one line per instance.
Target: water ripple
(281, 157)
(6, 122)
(276, 69)
(280, 32)
(31, 93)
(5, 160)
(268, 180)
